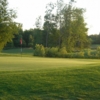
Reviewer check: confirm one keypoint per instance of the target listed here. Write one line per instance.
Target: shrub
(39, 50)
(93, 54)
(62, 52)
(70, 55)
(98, 51)
(80, 54)
(51, 52)
(87, 53)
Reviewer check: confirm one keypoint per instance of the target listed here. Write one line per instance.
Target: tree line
(95, 38)
(64, 26)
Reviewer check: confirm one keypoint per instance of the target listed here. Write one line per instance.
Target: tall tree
(59, 19)
(28, 37)
(38, 37)
(38, 22)
(73, 28)
(48, 18)
(7, 26)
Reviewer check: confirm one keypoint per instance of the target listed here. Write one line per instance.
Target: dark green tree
(38, 37)
(17, 37)
(28, 37)
(95, 38)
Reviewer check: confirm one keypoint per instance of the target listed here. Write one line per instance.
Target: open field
(33, 78)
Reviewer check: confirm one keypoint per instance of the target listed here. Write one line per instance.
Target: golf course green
(37, 78)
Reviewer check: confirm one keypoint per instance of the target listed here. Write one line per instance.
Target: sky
(29, 10)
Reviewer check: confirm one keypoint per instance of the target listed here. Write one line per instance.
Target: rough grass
(32, 78)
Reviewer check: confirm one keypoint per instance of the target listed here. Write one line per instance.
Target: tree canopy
(69, 23)
(64, 26)
(7, 25)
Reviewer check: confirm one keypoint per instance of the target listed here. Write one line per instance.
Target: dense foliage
(7, 26)
(64, 28)
(41, 51)
(95, 38)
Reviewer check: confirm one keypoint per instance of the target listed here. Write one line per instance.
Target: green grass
(17, 52)
(33, 78)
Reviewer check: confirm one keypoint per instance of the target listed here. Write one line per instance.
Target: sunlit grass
(33, 78)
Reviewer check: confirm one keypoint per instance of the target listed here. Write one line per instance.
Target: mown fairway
(31, 78)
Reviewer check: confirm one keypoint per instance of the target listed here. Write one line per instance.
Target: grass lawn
(33, 78)
(17, 52)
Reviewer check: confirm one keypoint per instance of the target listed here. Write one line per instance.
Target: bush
(87, 53)
(98, 52)
(62, 52)
(55, 52)
(70, 55)
(51, 52)
(39, 50)
(93, 54)
(80, 55)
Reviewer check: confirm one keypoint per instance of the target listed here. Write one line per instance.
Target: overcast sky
(29, 10)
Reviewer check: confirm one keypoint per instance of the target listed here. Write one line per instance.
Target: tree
(28, 37)
(48, 20)
(31, 39)
(74, 30)
(59, 19)
(38, 37)
(17, 37)
(95, 38)
(38, 22)
(7, 26)
(79, 29)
